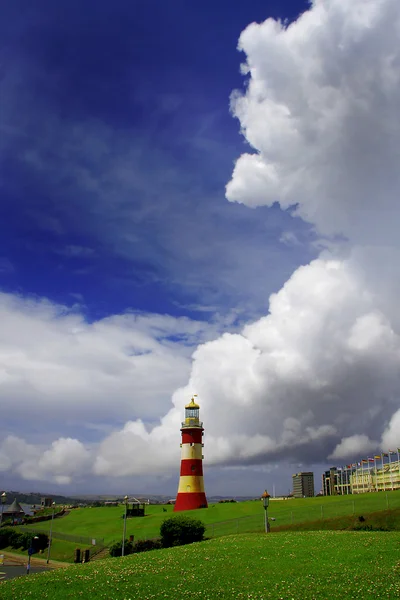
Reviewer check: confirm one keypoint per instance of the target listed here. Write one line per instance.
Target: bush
(15, 539)
(146, 545)
(116, 549)
(180, 530)
(369, 528)
(8, 537)
(23, 541)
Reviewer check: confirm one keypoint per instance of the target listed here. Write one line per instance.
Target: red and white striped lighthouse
(191, 484)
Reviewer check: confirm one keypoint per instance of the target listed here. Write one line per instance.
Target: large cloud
(55, 366)
(321, 111)
(66, 459)
(61, 374)
(323, 365)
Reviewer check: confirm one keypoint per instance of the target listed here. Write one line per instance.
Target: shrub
(369, 528)
(24, 540)
(116, 548)
(180, 530)
(8, 537)
(145, 545)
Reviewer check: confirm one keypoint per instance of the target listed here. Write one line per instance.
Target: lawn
(61, 550)
(222, 519)
(298, 566)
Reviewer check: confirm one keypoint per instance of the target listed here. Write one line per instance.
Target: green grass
(60, 551)
(221, 519)
(385, 520)
(107, 522)
(279, 566)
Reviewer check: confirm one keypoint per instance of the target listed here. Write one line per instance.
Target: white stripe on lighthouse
(195, 451)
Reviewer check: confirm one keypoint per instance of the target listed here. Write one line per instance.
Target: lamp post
(31, 550)
(3, 501)
(265, 498)
(124, 531)
(51, 533)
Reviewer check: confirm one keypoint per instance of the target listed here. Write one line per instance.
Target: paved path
(14, 565)
(11, 571)
(14, 559)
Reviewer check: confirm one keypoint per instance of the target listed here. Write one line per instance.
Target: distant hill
(35, 498)
(31, 498)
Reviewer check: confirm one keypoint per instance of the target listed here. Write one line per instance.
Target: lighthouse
(191, 484)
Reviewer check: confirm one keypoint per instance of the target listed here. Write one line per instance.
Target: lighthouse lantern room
(191, 493)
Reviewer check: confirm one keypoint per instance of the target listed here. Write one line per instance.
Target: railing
(192, 423)
(252, 523)
(288, 513)
(68, 537)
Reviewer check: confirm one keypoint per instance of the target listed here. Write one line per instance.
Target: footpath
(13, 559)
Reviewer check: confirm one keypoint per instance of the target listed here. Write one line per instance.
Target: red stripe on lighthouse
(190, 501)
(192, 467)
(192, 436)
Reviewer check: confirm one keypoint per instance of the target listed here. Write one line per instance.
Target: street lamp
(265, 498)
(51, 532)
(31, 550)
(3, 501)
(124, 532)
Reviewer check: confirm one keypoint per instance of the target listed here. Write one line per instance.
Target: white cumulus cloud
(355, 445)
(321, 113)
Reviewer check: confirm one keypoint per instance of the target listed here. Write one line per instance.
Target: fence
(68, 537)
(288, 512)
(252, 523)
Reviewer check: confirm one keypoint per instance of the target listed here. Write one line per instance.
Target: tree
(180, 530)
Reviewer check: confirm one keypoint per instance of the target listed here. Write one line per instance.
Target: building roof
(14, 508)
(192, 404)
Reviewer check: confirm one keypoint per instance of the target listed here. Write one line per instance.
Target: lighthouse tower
(191, 485)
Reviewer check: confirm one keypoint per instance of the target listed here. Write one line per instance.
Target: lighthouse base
(190, 501)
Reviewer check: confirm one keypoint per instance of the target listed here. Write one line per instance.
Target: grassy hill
(221, 519)
(257, 566)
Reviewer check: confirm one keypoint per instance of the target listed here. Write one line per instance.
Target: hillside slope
(289, 565)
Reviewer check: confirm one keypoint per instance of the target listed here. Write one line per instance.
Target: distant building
(374, 474)
(15, 512)
(303, 484)
(46, 502)
(336, 481)
(138, 508)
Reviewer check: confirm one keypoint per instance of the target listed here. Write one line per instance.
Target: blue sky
(131, 277)
(117, 143)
